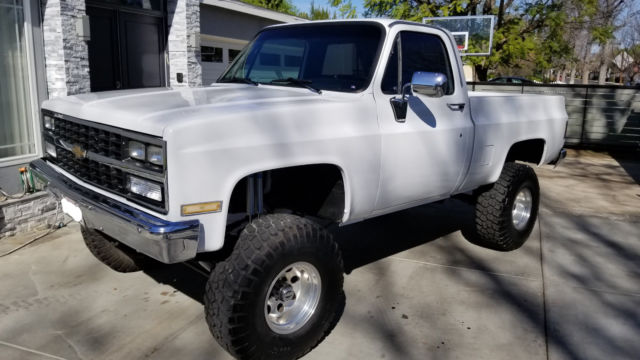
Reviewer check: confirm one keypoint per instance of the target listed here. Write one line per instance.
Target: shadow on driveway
(361, 244)
(585, 305)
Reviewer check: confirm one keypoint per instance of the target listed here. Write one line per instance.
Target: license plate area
(72, 209)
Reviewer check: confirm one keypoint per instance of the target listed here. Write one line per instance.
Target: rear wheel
(506, 212)
(112, 253)
(280, 291)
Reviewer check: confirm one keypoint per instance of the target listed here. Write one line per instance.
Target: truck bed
(503, 119)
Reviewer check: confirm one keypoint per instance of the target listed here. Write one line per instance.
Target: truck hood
(150, 111)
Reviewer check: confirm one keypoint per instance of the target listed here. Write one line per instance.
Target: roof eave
(253, 10)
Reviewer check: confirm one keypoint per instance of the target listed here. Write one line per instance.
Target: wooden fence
(602, 116)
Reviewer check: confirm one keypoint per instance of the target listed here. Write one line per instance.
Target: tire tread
(493, 226)
(112, 253)
(229, 288)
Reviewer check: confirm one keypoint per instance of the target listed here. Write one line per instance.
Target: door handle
(456, 107)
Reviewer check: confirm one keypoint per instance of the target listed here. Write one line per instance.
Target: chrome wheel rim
(522, 206)
(292, 298)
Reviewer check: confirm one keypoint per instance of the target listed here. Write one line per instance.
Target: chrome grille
(98, 155)
(99, 141)
(101, 175)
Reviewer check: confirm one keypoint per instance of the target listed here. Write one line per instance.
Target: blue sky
(304, 5)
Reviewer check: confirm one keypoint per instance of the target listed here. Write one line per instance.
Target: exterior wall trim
(215, 38)
(253, 10)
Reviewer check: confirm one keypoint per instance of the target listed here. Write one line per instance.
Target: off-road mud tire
(236, 291)
(494, 227)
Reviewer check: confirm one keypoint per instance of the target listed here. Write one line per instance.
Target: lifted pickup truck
(314, 123)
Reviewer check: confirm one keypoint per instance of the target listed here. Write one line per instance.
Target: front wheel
(280, 291)
(506, 212)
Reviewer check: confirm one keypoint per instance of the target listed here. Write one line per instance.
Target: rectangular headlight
(137, 150)
(146, 188)
(49, 122)
(155, 155)
(50, 149)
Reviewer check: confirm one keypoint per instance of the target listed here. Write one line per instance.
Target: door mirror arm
(422, 82)
(399, 105)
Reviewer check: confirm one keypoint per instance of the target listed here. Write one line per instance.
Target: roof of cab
(385, 22)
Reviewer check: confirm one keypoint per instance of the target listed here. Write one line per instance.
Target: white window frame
(33, 89)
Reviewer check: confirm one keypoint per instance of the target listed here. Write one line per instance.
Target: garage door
(216, 54)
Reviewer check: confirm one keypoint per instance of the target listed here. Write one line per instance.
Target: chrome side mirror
(422, 82)
(428, 83)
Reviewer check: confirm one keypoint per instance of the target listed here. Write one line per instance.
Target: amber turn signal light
(201, 208)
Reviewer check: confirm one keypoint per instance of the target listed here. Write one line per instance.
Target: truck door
(425, 156)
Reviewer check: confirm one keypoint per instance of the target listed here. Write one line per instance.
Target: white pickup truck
(313, 123)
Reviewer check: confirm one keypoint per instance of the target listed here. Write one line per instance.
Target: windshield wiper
(299, 82)
(237, 79)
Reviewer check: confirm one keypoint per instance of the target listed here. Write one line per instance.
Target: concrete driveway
(416, 289)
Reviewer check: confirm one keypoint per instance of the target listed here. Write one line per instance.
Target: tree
(628, 39)
(283, 6)
(595, 32)
(345, 8)
(527, 30)
(577, 33)
(317, 13)
(603, 33)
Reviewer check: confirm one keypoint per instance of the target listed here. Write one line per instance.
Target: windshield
(321, 56)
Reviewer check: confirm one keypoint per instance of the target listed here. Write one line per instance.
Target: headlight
(49, 122)
(50, 149)
(155, 155)
(145, 188)
(137, 150)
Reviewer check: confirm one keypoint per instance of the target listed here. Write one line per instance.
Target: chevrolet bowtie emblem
(79, 152)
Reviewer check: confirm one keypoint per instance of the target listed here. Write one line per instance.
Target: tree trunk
(572, 76)
(602, 75)
(585, 74)
(563, 76)
(481, 72)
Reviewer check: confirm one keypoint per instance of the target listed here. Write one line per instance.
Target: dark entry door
(126, 49)
(104, 56)
(141, 46)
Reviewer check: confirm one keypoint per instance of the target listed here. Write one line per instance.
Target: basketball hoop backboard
(473, 34)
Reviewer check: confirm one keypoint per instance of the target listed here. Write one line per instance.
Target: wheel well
(315, 190)
(530, 151)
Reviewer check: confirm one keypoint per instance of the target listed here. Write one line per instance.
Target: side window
(390, 79)
(420, 52)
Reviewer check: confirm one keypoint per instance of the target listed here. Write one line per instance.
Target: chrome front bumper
(165, 241)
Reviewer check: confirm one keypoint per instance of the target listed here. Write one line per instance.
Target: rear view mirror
(428, 83)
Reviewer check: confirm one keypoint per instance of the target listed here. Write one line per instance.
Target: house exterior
(52, 48)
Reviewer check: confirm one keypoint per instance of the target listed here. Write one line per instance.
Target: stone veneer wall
(66, 55)
(184, 42)
(39, 211)
(67, 68)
